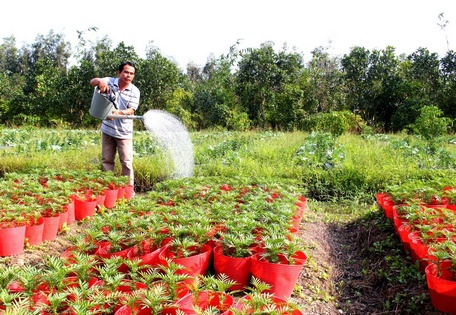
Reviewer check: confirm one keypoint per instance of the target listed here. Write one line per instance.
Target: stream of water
(172, 135)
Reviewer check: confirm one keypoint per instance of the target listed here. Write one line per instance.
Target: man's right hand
(103, 87)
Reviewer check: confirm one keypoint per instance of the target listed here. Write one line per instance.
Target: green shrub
(430, 124)
(338, 183)
(321, 150)
(336, 122)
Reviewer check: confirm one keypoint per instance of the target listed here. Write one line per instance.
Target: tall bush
(337, 122)
(430, 124)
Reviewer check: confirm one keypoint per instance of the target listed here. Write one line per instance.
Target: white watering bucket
(103, 105)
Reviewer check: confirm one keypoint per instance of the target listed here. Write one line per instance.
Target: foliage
(329, 167)
(243, 89)
(336, 123)
(157, 80)
(430, 124)
(262, 75)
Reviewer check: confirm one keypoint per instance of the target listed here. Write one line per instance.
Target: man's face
(128, 74)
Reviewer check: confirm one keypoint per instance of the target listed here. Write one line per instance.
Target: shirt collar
(116, 83)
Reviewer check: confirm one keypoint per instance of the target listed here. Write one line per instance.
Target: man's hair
(127, 63)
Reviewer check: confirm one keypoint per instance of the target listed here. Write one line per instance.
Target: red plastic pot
(387, 207)
(51, 227)
(398, 220)
(63, 218)
(403, 232)
(301, 204)
(296, 222)
(34, 233)
(379, 198)
(128, 286)
(282, 277)
(12, 240)
(84, 208)
(121, 193)
(111, 198)
(204, 300)
(129, 189)
(105, 250)
(182, 291)
(419, 251)
(244, 306)
(193, 265)
(150, 259)
(127, 310)
(71, 218)
(235, 268)
(101, 199)
(442, 287)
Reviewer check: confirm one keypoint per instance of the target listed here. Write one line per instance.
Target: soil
(343, 275)
(339, 277)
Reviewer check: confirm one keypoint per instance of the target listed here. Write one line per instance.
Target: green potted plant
(279, 263)
(440, 277)
(194, 256)
(171, 276)
(209, 295)
(232, 255)
(12, 229)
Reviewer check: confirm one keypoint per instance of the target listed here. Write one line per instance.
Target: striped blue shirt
(128, 98)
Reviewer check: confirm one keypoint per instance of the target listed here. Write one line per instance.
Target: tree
(9, 56)
(45, 61)
(324, 91)
(11, 80)
(52, 47)
(355, 67)
(77, 96)
(431, 123)
(107, 60)
(448, 75)
(261, 77)
(386, 93)
(424, 72)
(216, 103)
(420, 86)
(157, 80)
(374, 86)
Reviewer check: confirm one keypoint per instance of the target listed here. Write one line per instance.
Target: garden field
(307, 200)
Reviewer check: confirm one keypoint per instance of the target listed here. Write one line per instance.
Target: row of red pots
(281, 276)
(440, 275)
(225, 304)
(12, 239)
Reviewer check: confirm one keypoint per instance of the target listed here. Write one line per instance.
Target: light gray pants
(109, 146)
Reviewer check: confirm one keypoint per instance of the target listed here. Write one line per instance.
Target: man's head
(127, 71)
(127, 63)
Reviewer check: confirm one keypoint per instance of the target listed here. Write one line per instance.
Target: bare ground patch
(352, 269)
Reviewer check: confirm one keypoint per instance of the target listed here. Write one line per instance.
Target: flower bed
(134, 256)
(26, 198)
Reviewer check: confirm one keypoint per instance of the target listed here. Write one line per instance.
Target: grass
(329, 169)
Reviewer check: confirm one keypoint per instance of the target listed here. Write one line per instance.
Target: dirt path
(344, 273)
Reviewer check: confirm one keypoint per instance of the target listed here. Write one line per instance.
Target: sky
(190, 31)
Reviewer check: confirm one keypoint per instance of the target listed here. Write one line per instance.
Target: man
(117, 134)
